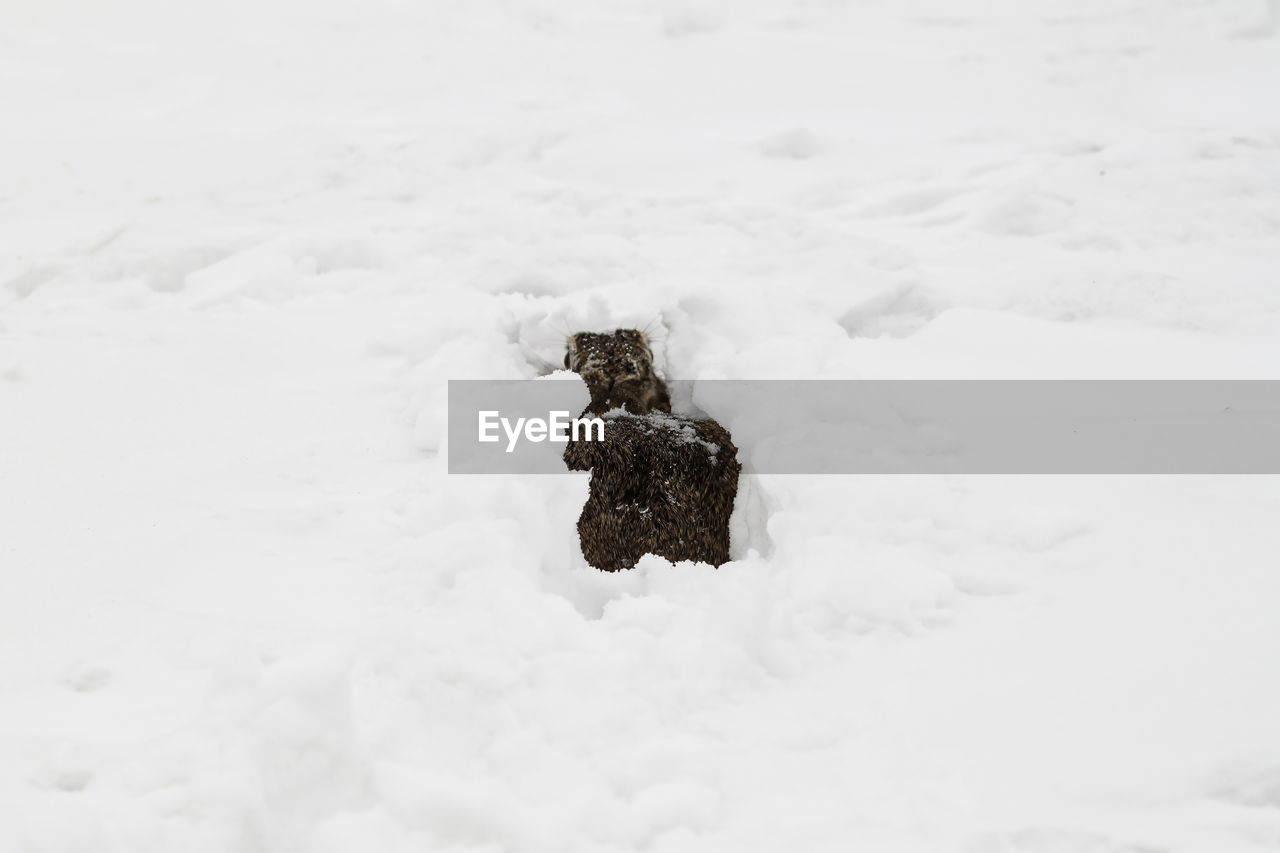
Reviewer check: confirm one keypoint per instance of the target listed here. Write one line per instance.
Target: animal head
(618, 369)
(621, 354)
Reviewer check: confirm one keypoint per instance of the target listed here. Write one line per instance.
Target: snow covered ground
(243, 245)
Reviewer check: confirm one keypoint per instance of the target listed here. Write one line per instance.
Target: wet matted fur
(660, 483)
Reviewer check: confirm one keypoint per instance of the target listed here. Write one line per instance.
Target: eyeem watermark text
(557, 427)
(834, 427)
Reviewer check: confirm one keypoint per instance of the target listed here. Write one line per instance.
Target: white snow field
(244, 607)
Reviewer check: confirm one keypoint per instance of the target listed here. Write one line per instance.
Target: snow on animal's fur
(660, 483)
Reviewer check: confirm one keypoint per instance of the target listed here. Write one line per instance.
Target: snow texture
(243, 246)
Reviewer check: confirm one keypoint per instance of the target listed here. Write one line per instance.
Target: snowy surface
(243, 245)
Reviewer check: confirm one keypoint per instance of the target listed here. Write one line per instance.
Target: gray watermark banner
(904, 427)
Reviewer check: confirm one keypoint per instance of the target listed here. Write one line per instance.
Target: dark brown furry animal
(618, 370)
(660, 483)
